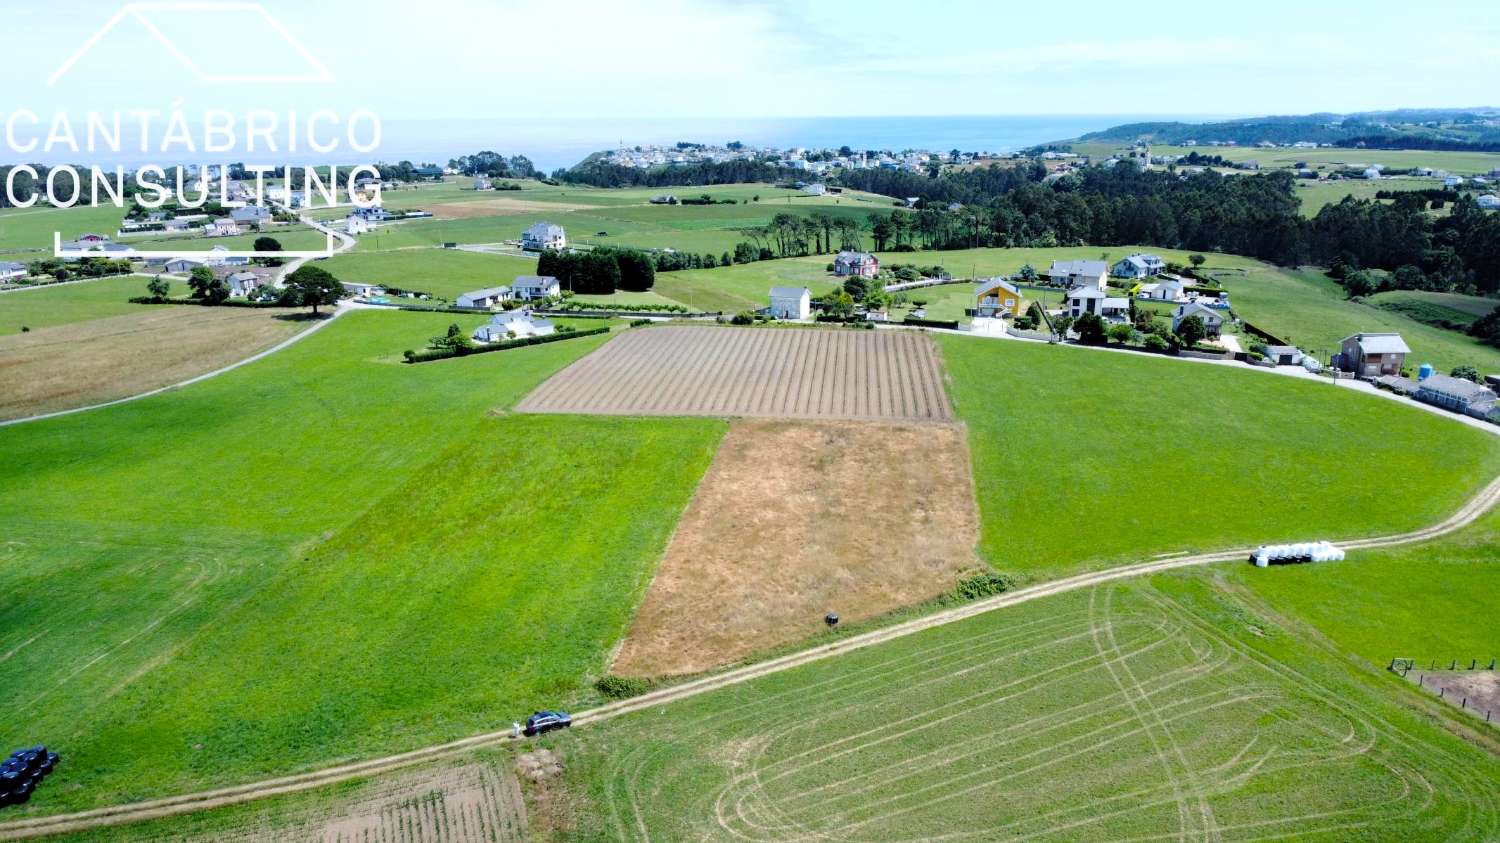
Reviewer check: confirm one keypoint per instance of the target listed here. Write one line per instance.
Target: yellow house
(997, 297)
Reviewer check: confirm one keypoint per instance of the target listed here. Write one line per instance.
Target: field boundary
(1477, 506)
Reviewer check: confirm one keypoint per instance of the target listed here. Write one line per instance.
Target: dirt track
(780, 373)
(186, 803)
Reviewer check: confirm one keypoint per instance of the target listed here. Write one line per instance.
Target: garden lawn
(1086, 459)
(325, 555)
(65, 304)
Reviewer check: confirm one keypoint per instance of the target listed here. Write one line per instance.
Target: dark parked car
(545, 721)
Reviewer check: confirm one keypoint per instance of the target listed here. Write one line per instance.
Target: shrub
(1155, 343)
(983, 585)
(622, 687)
(744, 317)
(636, 323)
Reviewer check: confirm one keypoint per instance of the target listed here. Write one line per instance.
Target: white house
(1090, 299)
(10, 271)
(815, 189)
(1213, 321)
(221, 228)
(482, 183)
(1167, 289)
(1372, 173)
(489, 297)
(533, 287)
(1489, 202)
(1139, 266)
(357, 224)
(791, 302)
(513, 324)
(1072, 274)
(242, 283)
(543, 236)
(363, 290)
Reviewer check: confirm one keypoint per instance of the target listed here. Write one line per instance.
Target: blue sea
(553, 144)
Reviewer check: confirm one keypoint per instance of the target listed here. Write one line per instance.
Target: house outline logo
(141, 11)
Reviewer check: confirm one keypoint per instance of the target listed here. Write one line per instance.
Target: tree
(267, 244)
(1197, 261)
(207, 286)
(456, 339)
(1121, 333)
(1027, 275)
(1090, 329)
(199, 281)
(1468, 373)
(1487, 329)
(158, 287)
(1155, 343)
(314, 286)
(1359, 283)
(1191, 331)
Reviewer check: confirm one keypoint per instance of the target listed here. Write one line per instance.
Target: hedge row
(203, 303)
(429, 354)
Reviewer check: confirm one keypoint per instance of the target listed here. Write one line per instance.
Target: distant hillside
(1476, 129)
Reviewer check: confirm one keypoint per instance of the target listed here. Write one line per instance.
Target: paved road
(187, 803)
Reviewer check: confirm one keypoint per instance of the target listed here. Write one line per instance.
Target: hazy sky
(561, 59)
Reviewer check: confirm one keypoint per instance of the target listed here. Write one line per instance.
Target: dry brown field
(754, 372)
(795, 520)
(100, 360)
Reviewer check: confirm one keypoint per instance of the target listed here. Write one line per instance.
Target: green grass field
(1316, 194)
(1163, 708)
(328, 554)
(1429, 601)
(64, 304)
(444, 273)
(1085, 458)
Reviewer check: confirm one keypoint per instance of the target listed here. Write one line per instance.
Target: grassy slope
(327, 554)
(68, 303)
(1428, 307)
(1086, 458)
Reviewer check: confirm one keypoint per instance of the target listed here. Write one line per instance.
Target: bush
(636, 323)
(744, 317)
(983, 585)
(622, 687)
(1155, 343)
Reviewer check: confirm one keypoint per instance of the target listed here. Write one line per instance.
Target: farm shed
(488, 297)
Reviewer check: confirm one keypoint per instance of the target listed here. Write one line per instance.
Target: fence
(1440, 677)
(925, 282)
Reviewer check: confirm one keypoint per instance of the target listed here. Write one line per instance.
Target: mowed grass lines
(1125, 712)
(796, 373)
(323, 555)
(1087, 458)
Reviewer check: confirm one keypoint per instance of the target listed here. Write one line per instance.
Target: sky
(568, 59)
(534, 66)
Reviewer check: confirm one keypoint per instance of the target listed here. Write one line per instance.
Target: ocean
(553, 144)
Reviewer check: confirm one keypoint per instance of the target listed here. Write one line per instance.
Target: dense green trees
(207, 286)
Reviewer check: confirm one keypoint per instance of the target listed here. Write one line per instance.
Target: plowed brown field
(776, 373)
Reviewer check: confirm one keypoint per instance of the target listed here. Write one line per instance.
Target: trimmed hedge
(931, 323)
(430, 354)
